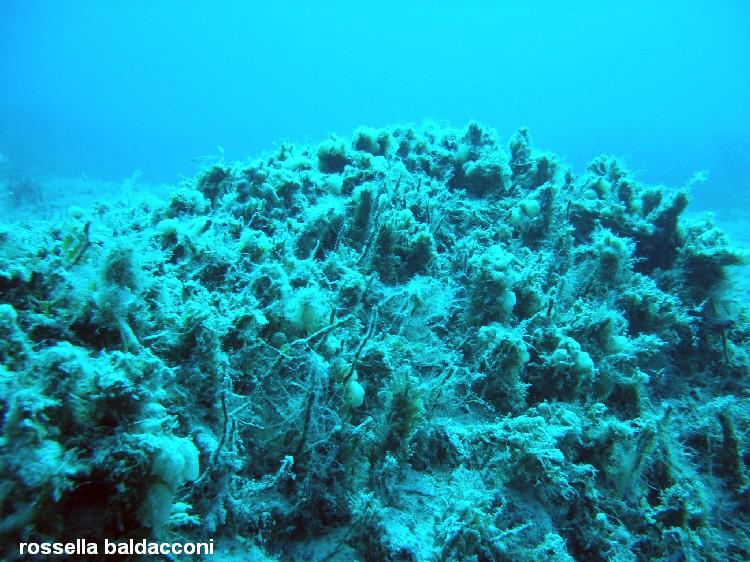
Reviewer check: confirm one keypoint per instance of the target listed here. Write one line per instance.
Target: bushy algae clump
(414, 344)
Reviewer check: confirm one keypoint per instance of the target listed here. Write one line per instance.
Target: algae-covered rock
(416, 343)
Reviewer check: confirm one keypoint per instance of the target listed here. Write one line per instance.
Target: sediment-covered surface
(412, 344)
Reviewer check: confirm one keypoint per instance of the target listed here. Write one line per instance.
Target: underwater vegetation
(413, 344)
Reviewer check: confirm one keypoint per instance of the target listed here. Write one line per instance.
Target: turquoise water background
(107, 88)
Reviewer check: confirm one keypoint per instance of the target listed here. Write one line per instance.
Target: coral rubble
(414, 344)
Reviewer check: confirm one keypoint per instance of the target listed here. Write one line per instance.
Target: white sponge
(175, 461)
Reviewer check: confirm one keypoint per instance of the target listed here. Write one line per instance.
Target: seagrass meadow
(414, 343)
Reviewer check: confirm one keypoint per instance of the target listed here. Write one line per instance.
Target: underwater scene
(337, 281)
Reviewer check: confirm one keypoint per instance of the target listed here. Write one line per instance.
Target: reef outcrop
(414, 344)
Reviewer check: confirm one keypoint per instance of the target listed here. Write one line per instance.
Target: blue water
(106, 88)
